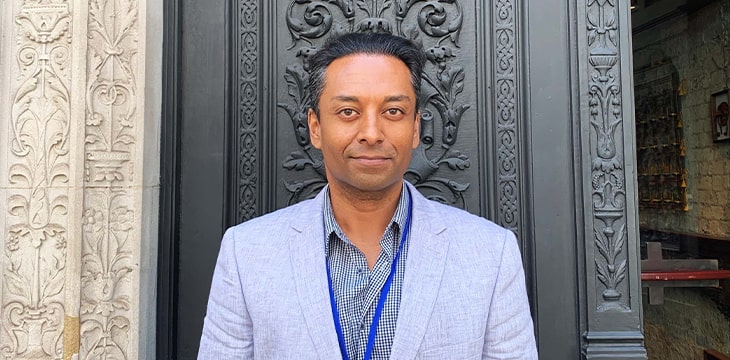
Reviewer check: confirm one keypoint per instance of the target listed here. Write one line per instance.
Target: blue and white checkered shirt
(357, 288)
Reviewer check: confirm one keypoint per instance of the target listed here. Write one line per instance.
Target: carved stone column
(72, 170)
(41, 145)
(613, 288)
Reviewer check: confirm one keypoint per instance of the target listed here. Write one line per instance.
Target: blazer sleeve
(510, 333)
(227, 329)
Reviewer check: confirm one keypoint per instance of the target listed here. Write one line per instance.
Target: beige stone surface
(38, 181)
(79, 163)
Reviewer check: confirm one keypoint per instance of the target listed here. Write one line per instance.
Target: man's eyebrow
(392, 98)
(345, 98)
(396, 98)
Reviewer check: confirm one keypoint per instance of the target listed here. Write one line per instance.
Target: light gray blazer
(463, 294)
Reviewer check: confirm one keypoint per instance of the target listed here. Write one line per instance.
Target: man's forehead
(360, 76)
(362, 63)
(366, 55)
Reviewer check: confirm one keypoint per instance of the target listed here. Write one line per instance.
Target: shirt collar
(397, 222)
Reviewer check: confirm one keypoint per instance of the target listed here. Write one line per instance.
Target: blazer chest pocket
(466, 350)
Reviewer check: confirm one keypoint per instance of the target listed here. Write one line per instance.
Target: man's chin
(372, 186)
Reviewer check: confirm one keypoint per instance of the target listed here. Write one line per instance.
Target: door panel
(446, 165)
(201, 177)
(268, 131)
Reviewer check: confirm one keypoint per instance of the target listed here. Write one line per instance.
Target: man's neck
(364, 216)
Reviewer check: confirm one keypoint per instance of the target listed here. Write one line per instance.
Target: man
(369, 269)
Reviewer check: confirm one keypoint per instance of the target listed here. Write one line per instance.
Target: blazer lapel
(424, 270)
(310, 275)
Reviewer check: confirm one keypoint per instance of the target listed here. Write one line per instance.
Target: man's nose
(371, 131)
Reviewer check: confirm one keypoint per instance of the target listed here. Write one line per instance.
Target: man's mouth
(370, 160)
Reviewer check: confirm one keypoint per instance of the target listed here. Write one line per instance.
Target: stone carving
(506, 103)
(34, 269)
(608, 194)
(108, 273)
(247, 112)
(436, 28)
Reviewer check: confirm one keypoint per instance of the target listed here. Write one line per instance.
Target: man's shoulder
(278, 220)
(455, 217)
(471, 238)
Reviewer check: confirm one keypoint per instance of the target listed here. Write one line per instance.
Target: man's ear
(315, 131)
(417, 130)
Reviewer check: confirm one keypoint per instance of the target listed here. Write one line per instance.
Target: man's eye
(347, 112)
(394, 112)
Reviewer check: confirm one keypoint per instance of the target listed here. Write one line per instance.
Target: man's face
(368, 124)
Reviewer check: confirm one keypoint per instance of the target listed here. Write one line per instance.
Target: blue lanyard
(381, 300)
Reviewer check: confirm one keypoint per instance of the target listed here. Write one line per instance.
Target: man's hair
(400, 48)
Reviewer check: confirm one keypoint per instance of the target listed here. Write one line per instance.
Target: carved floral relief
(34, 267)
(108, 270)
(433, 24)
(107, 274)
(608, 180)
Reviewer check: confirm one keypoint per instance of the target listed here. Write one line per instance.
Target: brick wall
(698, 46)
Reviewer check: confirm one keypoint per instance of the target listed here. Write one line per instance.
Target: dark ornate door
(496, 136)
(275, 163)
